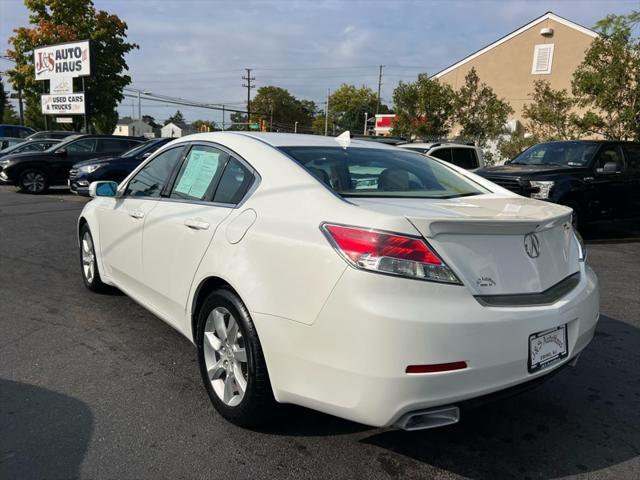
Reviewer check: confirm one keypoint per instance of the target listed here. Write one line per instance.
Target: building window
(542, 59)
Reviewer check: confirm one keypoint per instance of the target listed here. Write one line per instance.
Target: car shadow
(295, 421)
(43, 434)
(582, 420)
(619, 231)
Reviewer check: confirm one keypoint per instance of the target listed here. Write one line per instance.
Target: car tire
(89, 263)
(33, 181)
(231, 361)
(576, 217)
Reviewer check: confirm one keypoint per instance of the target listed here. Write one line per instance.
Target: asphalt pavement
(94, 386)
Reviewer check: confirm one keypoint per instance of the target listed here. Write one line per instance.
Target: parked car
(59, 134)
(597, 179)
(114, 168)
(390, 303)
(6, 142)
(463, 155)
(35, 172)
(29, 146)
(16, 131)
(380, 139)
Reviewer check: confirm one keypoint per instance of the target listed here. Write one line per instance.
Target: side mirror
(146, 154)
(61, 152)
(103, 189)
(609, 167)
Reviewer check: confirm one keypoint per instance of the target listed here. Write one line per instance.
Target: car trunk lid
(497, 245)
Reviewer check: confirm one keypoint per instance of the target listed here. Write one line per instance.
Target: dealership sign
(71, 104)
(63, 60)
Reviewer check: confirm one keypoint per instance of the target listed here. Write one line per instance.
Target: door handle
(196, 224)
(136, 214)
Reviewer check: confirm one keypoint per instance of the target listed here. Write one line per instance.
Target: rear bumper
(351, 362)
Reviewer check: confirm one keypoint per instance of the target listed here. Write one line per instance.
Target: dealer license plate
(547, 347)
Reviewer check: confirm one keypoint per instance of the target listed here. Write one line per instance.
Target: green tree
(57, 21)
(551, 113)
(608, 80)
(514, 144)
(317, 126)
(240, 121)
(424, 108)
(479, 111)
(348, 104)
(277, 104)
(3, 99)
(176, 118)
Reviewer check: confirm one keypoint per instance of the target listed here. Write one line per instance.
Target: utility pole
(223, 129)
(366, 117)
(248, 86)
(379, 87)
(326, 114)
(139, 107)
(271, 118)
(20, 107)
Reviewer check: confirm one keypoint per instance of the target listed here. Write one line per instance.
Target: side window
(234, 183)
(199, 173)
(30, 147)
(632, 153)
(108, 145)
(609, 154)
(464, 158)
(150, 181)
(82, 146)
(442, 154)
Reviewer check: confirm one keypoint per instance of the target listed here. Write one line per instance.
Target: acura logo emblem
(532, 245)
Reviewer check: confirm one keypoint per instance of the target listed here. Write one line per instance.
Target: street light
(295, 127)
(366, 117)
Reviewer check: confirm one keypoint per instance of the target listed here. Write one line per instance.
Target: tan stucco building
(548, 48)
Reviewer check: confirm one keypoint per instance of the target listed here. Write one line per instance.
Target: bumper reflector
(437, 367)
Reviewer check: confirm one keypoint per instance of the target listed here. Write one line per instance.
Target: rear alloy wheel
(33, 181)
(89, 264)
(231, 361)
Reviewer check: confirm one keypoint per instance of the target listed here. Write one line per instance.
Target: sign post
(60, 64)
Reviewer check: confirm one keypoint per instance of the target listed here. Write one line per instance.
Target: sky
(198, 49)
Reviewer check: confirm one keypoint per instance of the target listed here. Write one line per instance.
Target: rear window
(372, 172)
(464, 158)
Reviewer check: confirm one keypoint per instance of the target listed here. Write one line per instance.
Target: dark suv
(115, 168)
(35, 172)
(598, 179)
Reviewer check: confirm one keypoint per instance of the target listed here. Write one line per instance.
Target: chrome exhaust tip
(430, 418)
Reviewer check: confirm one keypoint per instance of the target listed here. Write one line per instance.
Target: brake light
(389, 253)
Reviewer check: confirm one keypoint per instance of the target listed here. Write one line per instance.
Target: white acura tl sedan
(358, 279)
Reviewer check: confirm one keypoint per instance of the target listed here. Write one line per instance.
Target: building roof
(509, 36)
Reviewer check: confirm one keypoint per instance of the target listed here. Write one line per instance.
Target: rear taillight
(389, 253)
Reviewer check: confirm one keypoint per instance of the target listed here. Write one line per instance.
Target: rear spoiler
(490, 226)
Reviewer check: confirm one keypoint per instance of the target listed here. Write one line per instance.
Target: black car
(59, 134)
(35, 172)
(113, 168)
(39, 145)
(598, 179)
